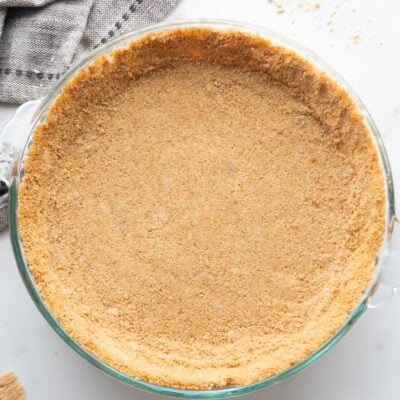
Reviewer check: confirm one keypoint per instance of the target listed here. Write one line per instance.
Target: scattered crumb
(279, 6)
(356, 38)
(328, 12)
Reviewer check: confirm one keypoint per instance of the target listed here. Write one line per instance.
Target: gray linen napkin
(40, 39)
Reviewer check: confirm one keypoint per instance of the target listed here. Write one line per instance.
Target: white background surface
(366, 363)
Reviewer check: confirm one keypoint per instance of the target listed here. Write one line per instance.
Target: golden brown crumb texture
(202, 208)
(10, 388)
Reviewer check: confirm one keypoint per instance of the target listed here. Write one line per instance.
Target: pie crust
(202, 208)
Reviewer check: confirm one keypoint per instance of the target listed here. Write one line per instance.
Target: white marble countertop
(366, 363)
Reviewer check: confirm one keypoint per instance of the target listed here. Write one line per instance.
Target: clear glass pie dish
(18, 135)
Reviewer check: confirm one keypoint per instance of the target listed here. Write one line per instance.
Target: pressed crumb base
(201, 209)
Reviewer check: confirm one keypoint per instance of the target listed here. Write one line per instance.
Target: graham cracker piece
(10, 387)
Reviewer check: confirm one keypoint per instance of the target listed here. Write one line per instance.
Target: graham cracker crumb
(10, 388)
(356, 38)
(202, 208)
(278, 5)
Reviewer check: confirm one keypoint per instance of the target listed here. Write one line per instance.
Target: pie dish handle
(388, 280)
(13, 138)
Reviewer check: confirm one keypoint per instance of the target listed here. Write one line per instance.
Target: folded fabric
(40, 39)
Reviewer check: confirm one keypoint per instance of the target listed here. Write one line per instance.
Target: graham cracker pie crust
(202, 208)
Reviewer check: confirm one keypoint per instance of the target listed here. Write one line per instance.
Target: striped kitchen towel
(40, 39)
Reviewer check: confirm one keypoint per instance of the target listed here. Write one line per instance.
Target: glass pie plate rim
(39, 115)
